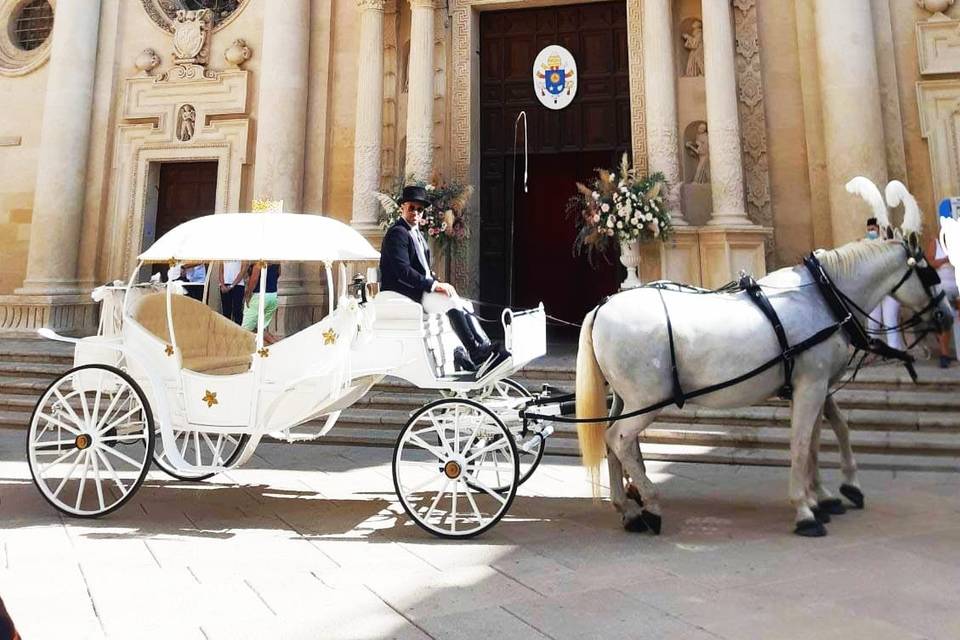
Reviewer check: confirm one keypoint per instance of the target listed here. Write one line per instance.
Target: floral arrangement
(444, 220)
(620, 206)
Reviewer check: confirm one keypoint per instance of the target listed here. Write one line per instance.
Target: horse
(626, 343)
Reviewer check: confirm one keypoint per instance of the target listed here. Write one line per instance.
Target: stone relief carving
(693, 43)
(191, 46)
(699, 148)
(186, 121)
(146, 61)
(753, 121)
(163, 13)
(237, 53)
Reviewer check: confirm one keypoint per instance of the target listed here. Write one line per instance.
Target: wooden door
(526, 239)
(187, 190)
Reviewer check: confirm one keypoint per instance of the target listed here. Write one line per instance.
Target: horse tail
(591, 402)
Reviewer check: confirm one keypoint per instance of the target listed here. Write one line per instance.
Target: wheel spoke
(217, 460)
(61, 425)
(68, 475)
(196, 448)
(487, 490)
(96, 399)
(440, 432)
(121, 456)
(119, 420)
(453, 507)
(113, 472)
(83, 478)
(420, 442)
(473, 503)
(54, 444)
(110, 408)
(58, 461)
(496, 444)
(436, 500)
(97, 479)
(186, 443)
(66, 405)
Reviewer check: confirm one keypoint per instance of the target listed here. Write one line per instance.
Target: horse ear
(913, 242)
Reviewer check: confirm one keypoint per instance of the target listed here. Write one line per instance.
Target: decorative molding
(938, 46)
(146, 61)
(374, 5)
(237, 53)
(939, 104)
(391, 84)
(10, 141)
(753, 121)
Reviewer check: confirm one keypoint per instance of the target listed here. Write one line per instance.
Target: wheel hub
(452, 470)
(83, 441)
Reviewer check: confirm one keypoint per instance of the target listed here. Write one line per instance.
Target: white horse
(624, 343)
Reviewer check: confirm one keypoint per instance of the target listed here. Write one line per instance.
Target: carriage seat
(208, 342)
(396, 312)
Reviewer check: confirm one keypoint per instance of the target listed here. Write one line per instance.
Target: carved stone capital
(422, 4)
(370, 5)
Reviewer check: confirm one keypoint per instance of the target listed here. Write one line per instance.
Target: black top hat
(414, 193)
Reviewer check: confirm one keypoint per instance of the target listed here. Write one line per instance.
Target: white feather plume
(897, 193)
(866, 189)
(388, 204)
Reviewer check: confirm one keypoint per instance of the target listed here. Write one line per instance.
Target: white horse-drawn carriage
(169, 380)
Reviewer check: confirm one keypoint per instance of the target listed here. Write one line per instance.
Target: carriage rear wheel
(506, 397)
(442, 471)
(90, 441)
(201, 449)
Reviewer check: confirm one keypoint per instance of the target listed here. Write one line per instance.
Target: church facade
(123, 118)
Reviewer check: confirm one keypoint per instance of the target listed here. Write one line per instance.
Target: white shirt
(231, 270)
(948, 275)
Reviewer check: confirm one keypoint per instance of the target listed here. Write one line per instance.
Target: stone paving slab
(309, 542)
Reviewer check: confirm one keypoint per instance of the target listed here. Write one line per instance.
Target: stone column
(419, 162)
(660, 93)
(64, 140)
(723, 117)
(282, 113)
(852, 119)
(369, 113)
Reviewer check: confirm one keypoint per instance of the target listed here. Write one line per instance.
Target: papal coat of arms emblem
(554, 77)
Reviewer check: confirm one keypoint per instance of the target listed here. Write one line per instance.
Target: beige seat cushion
(208, 342)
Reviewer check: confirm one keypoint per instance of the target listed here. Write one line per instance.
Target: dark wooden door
(526, 240)
(187, 190)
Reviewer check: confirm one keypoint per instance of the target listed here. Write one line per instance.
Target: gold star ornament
(263, 353)
(210, 398)
(168, 350)
(329, 337)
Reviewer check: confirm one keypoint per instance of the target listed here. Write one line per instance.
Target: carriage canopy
(271, 237)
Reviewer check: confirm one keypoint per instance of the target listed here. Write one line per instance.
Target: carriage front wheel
(90, 441)
(455, 468)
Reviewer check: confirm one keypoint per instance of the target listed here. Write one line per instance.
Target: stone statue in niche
(699, 148)
(186, 123)
(693, 43)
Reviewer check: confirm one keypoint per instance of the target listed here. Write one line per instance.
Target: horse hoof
(652, 520)
(635, 524)
(821, 515)
(853, 494)
(833, 506)
(810, 528)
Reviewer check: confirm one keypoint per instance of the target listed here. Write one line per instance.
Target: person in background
(195, 273)
(231, 290)
(885, 319)
(948, 284)
(251, 298)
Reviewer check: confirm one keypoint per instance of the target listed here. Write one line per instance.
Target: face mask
(872, 235)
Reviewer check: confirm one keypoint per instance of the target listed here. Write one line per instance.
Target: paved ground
(306, 542)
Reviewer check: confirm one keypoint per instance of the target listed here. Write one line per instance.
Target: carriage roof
(271, 237)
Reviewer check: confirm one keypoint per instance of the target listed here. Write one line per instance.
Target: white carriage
(169, 380)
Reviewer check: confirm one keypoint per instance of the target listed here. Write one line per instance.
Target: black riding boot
(488, 347)
(476, 348)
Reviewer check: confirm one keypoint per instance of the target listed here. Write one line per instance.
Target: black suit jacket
(400, 268)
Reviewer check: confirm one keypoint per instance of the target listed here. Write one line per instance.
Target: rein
(840, 305)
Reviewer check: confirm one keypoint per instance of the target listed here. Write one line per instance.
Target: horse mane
(845, 260)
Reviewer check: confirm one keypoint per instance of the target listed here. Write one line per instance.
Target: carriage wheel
(505, 397)
(438, 474)
(199, 448)
(90, 441)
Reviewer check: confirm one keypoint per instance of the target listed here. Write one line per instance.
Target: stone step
(20, 369)
(36, 350)
(23, 385)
